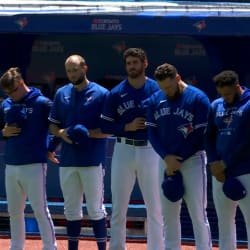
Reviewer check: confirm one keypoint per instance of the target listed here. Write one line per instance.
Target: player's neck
(182, 86)
(137, 82)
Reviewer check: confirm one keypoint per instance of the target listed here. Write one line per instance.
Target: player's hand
(137, 123)
(10, 131)
(52, 157)
(221, 177)
(217, 169)
(62, 133)
(173, 163)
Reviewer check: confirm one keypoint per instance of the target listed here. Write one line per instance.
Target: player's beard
(236, 97)
(176, 94)
(80, 80)
(133, 73)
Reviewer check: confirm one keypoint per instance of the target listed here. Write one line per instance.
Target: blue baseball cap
(16, 115)
(78, 133)
(234, 189)
(172, 186)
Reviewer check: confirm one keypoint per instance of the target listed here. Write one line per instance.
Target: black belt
(132, 141)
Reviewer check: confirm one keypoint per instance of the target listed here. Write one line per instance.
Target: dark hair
(135, 52)
(226, 78)
(165, 71)
(7, 81)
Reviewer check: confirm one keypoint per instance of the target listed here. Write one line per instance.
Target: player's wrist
(60, 133)
(127, 127)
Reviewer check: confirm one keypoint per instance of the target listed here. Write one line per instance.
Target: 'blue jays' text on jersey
(72, 107)
(228, 134)
(177, 126)
(123, 105)
(31, 114)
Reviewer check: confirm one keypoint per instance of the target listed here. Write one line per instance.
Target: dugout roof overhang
(99, 17)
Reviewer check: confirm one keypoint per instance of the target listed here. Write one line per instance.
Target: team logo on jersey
(67, 98)
(123, 95)
(186, 129)
(89, 98)
(125, 106)
(162, 101)
(228, 120)
(29, 110)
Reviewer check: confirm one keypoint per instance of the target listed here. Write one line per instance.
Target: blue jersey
(72, 107)
(177, 126)
(123, 104)
(228, 134)
(30, 146)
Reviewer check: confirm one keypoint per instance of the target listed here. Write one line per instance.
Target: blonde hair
(8, 79)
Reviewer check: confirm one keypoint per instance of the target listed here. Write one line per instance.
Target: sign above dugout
(161, 18)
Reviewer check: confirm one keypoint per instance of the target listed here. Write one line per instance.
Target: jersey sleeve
(102, 99)
(46, 105)
(210, 137)
(53, 142)
(109, 123)
(2, 122)
(152, 130)
(53, 116)
(202, 106)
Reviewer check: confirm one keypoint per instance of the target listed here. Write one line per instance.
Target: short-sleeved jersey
(72, 107)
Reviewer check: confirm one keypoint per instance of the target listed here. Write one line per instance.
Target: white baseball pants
(24, 181)
(226, 211)
(128, 163)
(195, 183)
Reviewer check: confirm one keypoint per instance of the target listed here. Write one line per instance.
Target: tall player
(228, 149)
(25, 130)
(177, 117)
(75, 118)
(133, 156)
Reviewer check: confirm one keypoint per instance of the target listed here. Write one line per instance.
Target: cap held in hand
(78, 133)
(173, 187)
(16, 115)
(234, 189)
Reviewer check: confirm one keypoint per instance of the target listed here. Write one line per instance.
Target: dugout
(200, 38)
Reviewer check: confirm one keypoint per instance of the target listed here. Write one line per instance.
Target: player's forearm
(54, 130)
(59, 132)
(97, 133)
(210, 138)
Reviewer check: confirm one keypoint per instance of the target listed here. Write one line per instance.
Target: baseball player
(176, 119)
(133, 157)
(74, 118)
(25, 128)
(228, 150)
